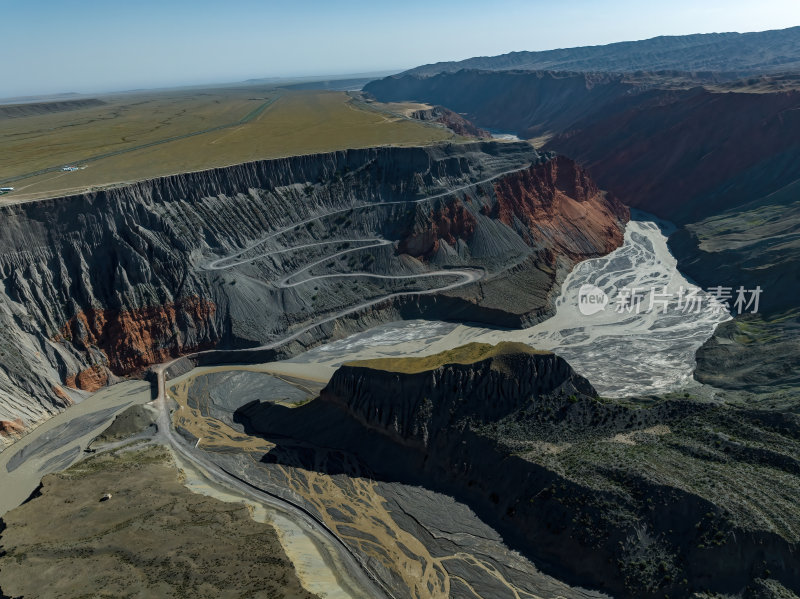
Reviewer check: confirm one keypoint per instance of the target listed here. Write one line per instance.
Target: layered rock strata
(104, 284)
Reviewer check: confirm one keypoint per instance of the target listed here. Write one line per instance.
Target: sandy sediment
(318, 568)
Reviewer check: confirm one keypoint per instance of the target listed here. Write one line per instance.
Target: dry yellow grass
(466, 354)
(35, 142)
(152, 538)
(291, 123)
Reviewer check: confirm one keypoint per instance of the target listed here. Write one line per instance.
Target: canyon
(654, 349)
(681, 150)
(99, 286)
(373, 368)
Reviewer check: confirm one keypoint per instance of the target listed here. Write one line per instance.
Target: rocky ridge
(10, 111)
(643, 498)
(732, 53)
(414, 406)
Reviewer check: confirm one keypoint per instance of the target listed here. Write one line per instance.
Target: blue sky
(91, 46)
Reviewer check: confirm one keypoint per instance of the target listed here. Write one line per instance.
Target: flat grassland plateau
(137, 136)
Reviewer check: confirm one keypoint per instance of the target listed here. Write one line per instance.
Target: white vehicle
(6, 189)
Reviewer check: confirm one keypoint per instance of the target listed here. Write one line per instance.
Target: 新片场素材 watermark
(638, 300)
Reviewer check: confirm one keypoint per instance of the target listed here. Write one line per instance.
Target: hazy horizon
(95, 47)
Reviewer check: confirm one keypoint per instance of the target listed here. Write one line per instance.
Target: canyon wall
(673, 148)
(414, 407)
(101, 285)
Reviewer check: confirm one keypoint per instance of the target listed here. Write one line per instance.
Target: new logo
(591, 299)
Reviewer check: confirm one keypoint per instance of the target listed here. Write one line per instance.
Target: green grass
(466, 354)
(761, 329)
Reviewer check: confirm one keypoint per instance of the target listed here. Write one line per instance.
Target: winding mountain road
(464, 276)
(357, 568)
(219, 264)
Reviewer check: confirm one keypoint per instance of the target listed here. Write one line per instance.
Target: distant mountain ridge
(11, 111)
(740, 54)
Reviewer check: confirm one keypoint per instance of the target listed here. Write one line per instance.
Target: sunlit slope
(465, 354)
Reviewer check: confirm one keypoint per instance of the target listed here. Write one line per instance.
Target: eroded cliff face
(560, 206)
(451, 222)
(131, 340)
(91, 379)
(101, 285)
(415, 407)
(11, 428)
(554, 204)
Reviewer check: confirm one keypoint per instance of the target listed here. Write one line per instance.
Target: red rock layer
(450, 222)
(62, 395)
(134, 339)
(555, 206)
(11, 428)
(561, 207)
(461, 126)
(91, 379)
